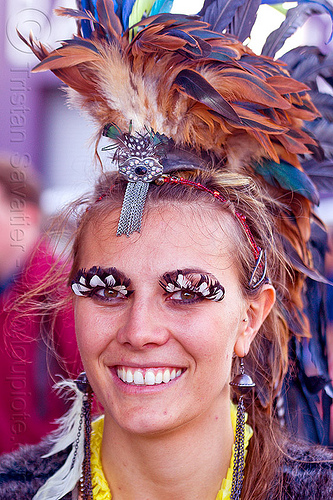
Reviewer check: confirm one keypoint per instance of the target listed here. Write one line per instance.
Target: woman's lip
(144, 368)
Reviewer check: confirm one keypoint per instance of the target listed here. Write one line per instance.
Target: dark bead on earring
(242, 383)
(82, 382)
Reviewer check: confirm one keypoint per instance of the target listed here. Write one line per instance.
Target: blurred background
(36, 125)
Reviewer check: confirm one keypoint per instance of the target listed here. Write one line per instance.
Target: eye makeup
(90, 283)
(205, 286)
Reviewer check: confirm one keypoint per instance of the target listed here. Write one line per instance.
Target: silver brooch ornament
(138, 159)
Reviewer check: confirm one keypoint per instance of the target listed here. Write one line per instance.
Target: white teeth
(159, 377)
(166, 376)
(137, 377)
(149, 378)
(129, 377)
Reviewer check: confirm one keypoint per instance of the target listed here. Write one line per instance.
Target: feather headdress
(171, 73)
(210, 95)
(205, 91)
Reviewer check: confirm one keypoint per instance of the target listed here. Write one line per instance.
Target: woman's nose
(143, 326)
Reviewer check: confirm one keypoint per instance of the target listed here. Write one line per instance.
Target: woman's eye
(185, 296)
(108, 293)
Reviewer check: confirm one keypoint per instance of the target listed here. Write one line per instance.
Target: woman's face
(131, 344)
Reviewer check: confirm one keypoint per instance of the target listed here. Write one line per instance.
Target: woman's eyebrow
(188, 272)
(103, 272)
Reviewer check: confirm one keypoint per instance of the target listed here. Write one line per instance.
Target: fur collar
(307, 472)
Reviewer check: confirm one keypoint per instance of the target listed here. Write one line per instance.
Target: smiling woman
(159, 317)
(174, 332)
(184, 295)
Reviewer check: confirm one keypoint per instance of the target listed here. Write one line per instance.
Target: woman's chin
(145, 423)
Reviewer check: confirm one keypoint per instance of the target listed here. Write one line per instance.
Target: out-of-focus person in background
(28, 370)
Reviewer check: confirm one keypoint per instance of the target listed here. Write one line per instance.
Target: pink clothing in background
(28, 368)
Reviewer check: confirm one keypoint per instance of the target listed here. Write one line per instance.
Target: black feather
(80, 14)
(196, 86)
(108, 18)
(295, 18)
(323, 131)
(321, 174)
(200, 50)
(324, 104)
(219, 13)
(298, 264)
(224, 54)
(301, 61)
(322, 68)
(315, 304)
(244, 19)
(175, 18)
(195, 47)
(83, 42)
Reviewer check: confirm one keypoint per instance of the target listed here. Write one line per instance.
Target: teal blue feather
(161, 6)
(112, 131)
(288, 177)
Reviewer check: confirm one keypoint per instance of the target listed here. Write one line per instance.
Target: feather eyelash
(202, 284)
(96, 278)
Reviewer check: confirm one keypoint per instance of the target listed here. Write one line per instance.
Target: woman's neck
(188, 463)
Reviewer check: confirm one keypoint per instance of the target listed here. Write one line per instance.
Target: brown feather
(286, 85)
(108, 18)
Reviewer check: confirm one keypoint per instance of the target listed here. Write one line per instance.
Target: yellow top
(100, 486)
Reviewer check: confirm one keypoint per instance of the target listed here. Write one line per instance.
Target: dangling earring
(74, 429)
(85, 418)
(242, 383)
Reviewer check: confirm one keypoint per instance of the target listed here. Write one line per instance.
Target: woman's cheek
(85, 328)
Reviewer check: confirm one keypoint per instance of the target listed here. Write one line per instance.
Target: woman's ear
(256, 313)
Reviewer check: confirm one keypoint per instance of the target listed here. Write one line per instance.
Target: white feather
(65, 479)
(96, 281)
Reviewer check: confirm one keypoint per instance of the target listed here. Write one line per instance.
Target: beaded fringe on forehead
(132, 208)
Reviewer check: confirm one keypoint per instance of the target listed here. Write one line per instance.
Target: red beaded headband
(241, 218)
(259, 254)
